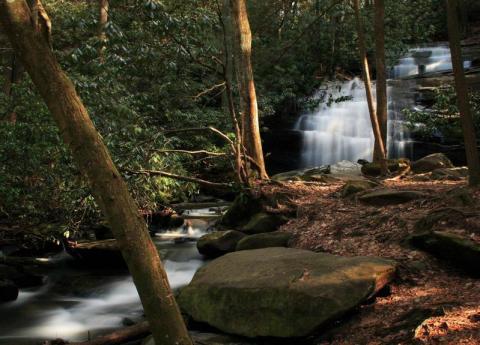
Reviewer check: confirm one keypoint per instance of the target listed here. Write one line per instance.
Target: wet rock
(281, 292)
(8, 291)
(263, 222)
(385, 197)
(243, 208)
(356, 186)
(394, 166)
(20, 277)
(104, 253)
(430, 163)
(346, 168)
(267, 240)
(219, 243)
(102, 232)
(458, 250)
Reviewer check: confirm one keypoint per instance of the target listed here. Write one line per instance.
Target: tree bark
(382, 101)
(248, 97)
(379, 144)
(462, 94)
(93, 159)
(103, 8)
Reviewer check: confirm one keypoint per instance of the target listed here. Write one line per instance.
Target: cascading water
(340, 128)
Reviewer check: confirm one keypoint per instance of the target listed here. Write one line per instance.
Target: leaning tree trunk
(248, 97)
(93, 159)
(462, 94)
(382, 102)
(379, 143)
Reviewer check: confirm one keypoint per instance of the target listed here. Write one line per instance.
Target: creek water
(340, 127)
(78, 303)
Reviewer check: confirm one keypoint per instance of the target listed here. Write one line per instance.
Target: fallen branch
(198, 152)
(138, 331)
(214, 87)
(179, 177)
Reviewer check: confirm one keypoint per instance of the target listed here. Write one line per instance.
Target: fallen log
(138, 331)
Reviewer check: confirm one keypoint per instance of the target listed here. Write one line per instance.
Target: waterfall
(340, 128)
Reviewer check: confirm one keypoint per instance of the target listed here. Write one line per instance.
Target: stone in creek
(267, 240)
(281, 292)
(263, 222)
(218, 243)
(104, 253)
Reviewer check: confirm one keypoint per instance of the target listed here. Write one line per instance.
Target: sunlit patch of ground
(430, 301)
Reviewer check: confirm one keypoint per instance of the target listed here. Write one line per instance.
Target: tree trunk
(248, 97)
(93, 159)
(382, 101)
(462, 94)
(103, 7)
(379, 144)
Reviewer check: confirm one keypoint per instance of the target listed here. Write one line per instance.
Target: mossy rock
(394, 166)
(218, 243)
(356, 186)
(281, 292)
(301, 175)
(449, 214)
(267, 240)
(431, 163)
(19, 276)
(459, 197)
(384, 197)
(449, 174)
(263, 222)
(243, 208)
(456, 249)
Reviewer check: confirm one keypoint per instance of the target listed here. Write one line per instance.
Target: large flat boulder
(384, 197)
(218, 243)
(431, 162)
(281, 292)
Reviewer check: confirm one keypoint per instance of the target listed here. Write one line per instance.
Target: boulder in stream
(263, 222)
(430, 163)
(104, 253)
(281, 292)
(267, 240)
(218, 243)
(394, 166)
(19, 277)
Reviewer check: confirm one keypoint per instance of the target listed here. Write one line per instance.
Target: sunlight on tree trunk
(380, 146)
(248, 97)
(103, 8)
(462, 94)
(93, 160)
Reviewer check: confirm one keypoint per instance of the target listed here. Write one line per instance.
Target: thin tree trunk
(248, 95)
(462, 94)
(93, 159)
(103, 7)
(382, 101)
(379, 144)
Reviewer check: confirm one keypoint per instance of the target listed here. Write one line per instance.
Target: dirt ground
(430, 302)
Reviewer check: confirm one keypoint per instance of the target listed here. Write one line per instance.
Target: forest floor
(430, 302)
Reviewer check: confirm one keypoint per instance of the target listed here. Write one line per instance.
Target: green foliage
(442, 120)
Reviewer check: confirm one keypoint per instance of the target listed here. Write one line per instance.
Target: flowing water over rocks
(340, 128)
(78, 302)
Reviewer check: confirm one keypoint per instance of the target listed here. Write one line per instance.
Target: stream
(77, 303)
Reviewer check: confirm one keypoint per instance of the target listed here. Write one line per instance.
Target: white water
(101, 299)
(340, 128)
